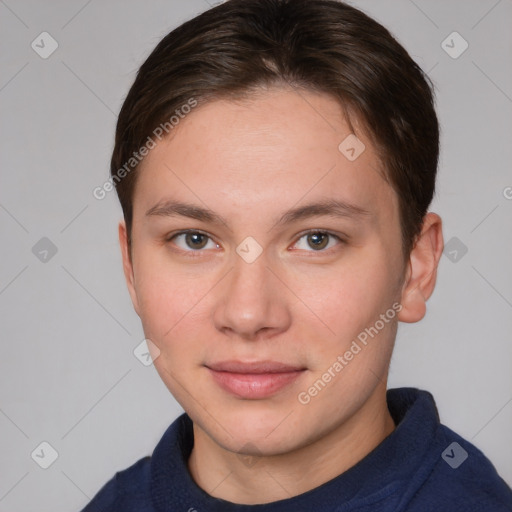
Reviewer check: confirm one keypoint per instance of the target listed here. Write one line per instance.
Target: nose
(252, 302)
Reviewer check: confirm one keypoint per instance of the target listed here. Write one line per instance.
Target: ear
(127, 264)
(421, 273)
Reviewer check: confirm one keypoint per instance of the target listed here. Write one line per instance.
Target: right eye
(192, 241)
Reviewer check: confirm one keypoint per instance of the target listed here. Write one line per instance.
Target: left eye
(193, 240)
(316, 240)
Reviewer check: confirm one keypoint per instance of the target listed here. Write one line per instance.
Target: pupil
(319, 240)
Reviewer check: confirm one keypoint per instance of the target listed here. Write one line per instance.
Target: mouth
(254, 380)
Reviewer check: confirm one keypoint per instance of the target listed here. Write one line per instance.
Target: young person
(275, 161)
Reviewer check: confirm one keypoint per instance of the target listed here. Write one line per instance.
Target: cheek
(350, 296)
(168, 297)
(174, 311)
(352, 349)
(344, 305)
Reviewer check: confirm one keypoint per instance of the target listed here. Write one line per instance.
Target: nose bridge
(250, 302)
(249, 287)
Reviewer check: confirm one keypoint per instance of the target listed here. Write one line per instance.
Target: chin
(249, 423)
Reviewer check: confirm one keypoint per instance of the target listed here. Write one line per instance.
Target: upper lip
(254, 367)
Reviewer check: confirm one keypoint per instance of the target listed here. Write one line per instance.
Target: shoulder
(128, 490)
(461, 479)
(149, 479)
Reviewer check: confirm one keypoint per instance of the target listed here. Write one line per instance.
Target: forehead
(276, 148)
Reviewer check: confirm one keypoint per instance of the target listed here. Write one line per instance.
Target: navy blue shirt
(422, 466)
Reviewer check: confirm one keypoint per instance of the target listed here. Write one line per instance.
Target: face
(262, 257)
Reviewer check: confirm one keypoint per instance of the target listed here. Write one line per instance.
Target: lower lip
(254, 385)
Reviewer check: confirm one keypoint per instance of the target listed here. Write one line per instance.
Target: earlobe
(422, 270)
(128, 264)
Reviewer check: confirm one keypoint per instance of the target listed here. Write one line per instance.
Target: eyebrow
(172, 208)
(331, 208)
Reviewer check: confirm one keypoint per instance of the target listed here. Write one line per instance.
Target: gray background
(67, 369)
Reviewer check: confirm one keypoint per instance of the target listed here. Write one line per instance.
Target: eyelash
(197, 253)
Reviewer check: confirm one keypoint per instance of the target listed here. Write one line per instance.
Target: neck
(223, 474)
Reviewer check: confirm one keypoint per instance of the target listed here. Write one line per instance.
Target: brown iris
(318, 240)
(196, 240)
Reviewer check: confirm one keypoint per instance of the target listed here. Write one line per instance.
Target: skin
(250, 162)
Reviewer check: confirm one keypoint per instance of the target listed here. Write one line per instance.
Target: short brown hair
(320, 45)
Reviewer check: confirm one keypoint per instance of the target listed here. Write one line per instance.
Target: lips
(254, 380)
